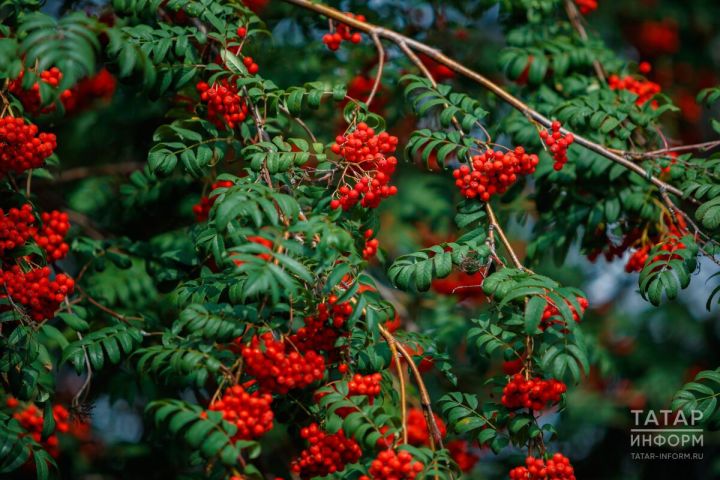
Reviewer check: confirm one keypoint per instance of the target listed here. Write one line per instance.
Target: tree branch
(576, 21)
(401, 377)
(503, 238)
(424, 395)
(381, 64)
(508, 98)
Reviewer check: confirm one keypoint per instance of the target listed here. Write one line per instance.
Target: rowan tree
(294, 240)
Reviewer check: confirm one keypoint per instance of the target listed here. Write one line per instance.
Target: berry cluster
(551, 313)
(644, 89)
(670, 240)
(657, 37)
(556, 468)
(51, 236)
(371, 245)
(260, 241)
(226, 108)
(368, 385)
(343, 32)
(535, 393)
(613, 250)
(459, 452)
(16, 226)
(363, 145)
(100, 86)
(202, 208)
(22, 146)
(493, 172)
(326, 454)
(557, 143)
(278, 371)
(256, 5)
(366, 150)
(437, 70)
(31, 99)
(249, 412)
(321, 331)
(392, 465)
(639, 258)
(35, 291)
(31, 420)
(417, 427)
(586, 6)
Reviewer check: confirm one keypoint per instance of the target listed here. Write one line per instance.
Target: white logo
(666, 429)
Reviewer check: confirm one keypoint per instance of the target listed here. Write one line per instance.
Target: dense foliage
(277, 248)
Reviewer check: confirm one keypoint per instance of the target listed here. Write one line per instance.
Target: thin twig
(503, 238)
(576, 21)
(85, 388)
(401, 377)
(109, 311)
(381, 64)
(299, 121)
(682, 148)
(424, 395)
(28, 183)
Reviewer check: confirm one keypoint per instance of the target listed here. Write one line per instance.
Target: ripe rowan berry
(639, 258)
(371, 245)
(586, 6)
(438, 71)
(493, 172)
(551, 313)
(249, 412)
(364, 152)
(533, 393)
(51, 235)
(22, 146)
(35, 291)
(30, 419)
(30, 98)
(16, 226)
(100, 86)
(368, 385)
(277, 370)
(417, 428)
(343, 32)
(322, 330)
(669, 239)
(226, 108)
(393, 465)
(556, 468)
(459, 451)
(327, 454)
(644, 89)
(557, 143)
(202, 208)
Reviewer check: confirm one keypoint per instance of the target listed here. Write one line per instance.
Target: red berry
(394, 465)
(250, 412)
(364, 153)
(533, 393)
(279, 370)
(327, 454)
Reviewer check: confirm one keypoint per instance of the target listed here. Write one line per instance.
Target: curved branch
(424, 395)
(378, 75)
(508, 98)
